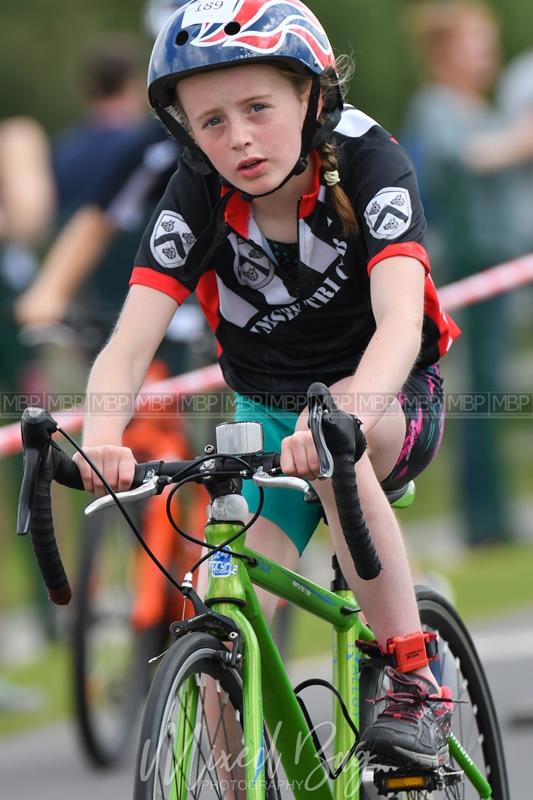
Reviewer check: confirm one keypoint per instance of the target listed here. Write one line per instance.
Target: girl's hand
(299, 456)
(116, 464)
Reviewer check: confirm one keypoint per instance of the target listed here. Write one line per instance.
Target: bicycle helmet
(203, 36)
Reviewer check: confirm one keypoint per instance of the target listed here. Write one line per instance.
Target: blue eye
(258, 107)
(213, 122)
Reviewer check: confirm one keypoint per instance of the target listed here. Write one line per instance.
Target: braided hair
(327, 152)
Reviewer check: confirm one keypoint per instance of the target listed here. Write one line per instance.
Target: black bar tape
(43, 536)
(356, 533)
(65, 470)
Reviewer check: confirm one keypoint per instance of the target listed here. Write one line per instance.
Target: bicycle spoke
(210, 741)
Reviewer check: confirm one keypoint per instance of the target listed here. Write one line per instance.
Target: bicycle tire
(461, 669)
(109, 686)
(158, 775)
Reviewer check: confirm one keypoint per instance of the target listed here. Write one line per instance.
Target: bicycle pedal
(395, 780)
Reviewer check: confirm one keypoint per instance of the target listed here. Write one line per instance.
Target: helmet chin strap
(312, 135)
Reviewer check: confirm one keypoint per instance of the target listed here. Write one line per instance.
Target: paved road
(47, 764)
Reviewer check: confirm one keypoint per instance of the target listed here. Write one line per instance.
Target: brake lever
(154, 485)
(316, 415)
(37, 428)
(262, 478)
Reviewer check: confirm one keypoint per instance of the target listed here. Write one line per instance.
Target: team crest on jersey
(171, 240)
(254, 268)
(389, 213)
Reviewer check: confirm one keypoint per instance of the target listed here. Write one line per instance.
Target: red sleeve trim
(144, 276)
(409, 249)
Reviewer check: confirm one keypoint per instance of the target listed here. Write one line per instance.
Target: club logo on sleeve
(171, 240)
(389, 213)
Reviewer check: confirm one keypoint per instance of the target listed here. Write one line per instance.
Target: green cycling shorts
(285, 507)
(422, 400)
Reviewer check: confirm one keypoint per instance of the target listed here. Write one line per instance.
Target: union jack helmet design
(205, 34)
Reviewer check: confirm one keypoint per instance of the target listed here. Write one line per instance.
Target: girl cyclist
(297, 222)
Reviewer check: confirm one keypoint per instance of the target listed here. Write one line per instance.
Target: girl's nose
(239, 135)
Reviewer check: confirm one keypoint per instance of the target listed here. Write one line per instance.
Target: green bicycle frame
(230, 592)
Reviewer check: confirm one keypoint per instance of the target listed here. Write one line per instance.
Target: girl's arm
(397, 296)
(115, 379)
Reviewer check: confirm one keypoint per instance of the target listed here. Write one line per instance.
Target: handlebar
(337, 436)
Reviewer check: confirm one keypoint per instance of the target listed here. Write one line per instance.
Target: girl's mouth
(252, 167)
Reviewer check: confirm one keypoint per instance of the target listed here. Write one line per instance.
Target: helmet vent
(232, 28)
(182, 38)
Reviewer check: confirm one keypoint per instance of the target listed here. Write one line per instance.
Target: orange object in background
(162, 436)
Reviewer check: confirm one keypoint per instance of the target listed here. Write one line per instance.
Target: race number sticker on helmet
(284, 26)
(171, 240)
(389, 213)
(209, 11)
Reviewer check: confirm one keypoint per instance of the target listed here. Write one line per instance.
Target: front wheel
(475, 723)
(110, 665)
(191, 737)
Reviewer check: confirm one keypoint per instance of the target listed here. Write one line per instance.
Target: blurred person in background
(111, 170)
(26, 207)
(27, 203)
(110, 85)
(85, 157)
(515, 98)
(466, 151)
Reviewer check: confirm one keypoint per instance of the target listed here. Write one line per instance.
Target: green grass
(48, 676)
(489, 581)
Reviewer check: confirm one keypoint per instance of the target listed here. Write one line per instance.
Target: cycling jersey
(277, 331)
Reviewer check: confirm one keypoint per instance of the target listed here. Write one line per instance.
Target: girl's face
(248, 121)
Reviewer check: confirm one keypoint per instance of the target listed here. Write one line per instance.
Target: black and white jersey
(277, 332)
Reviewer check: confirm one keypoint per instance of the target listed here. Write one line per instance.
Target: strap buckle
(405, 653)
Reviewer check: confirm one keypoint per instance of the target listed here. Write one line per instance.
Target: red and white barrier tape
(487, 284)
(195, 382)
(460, 294)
